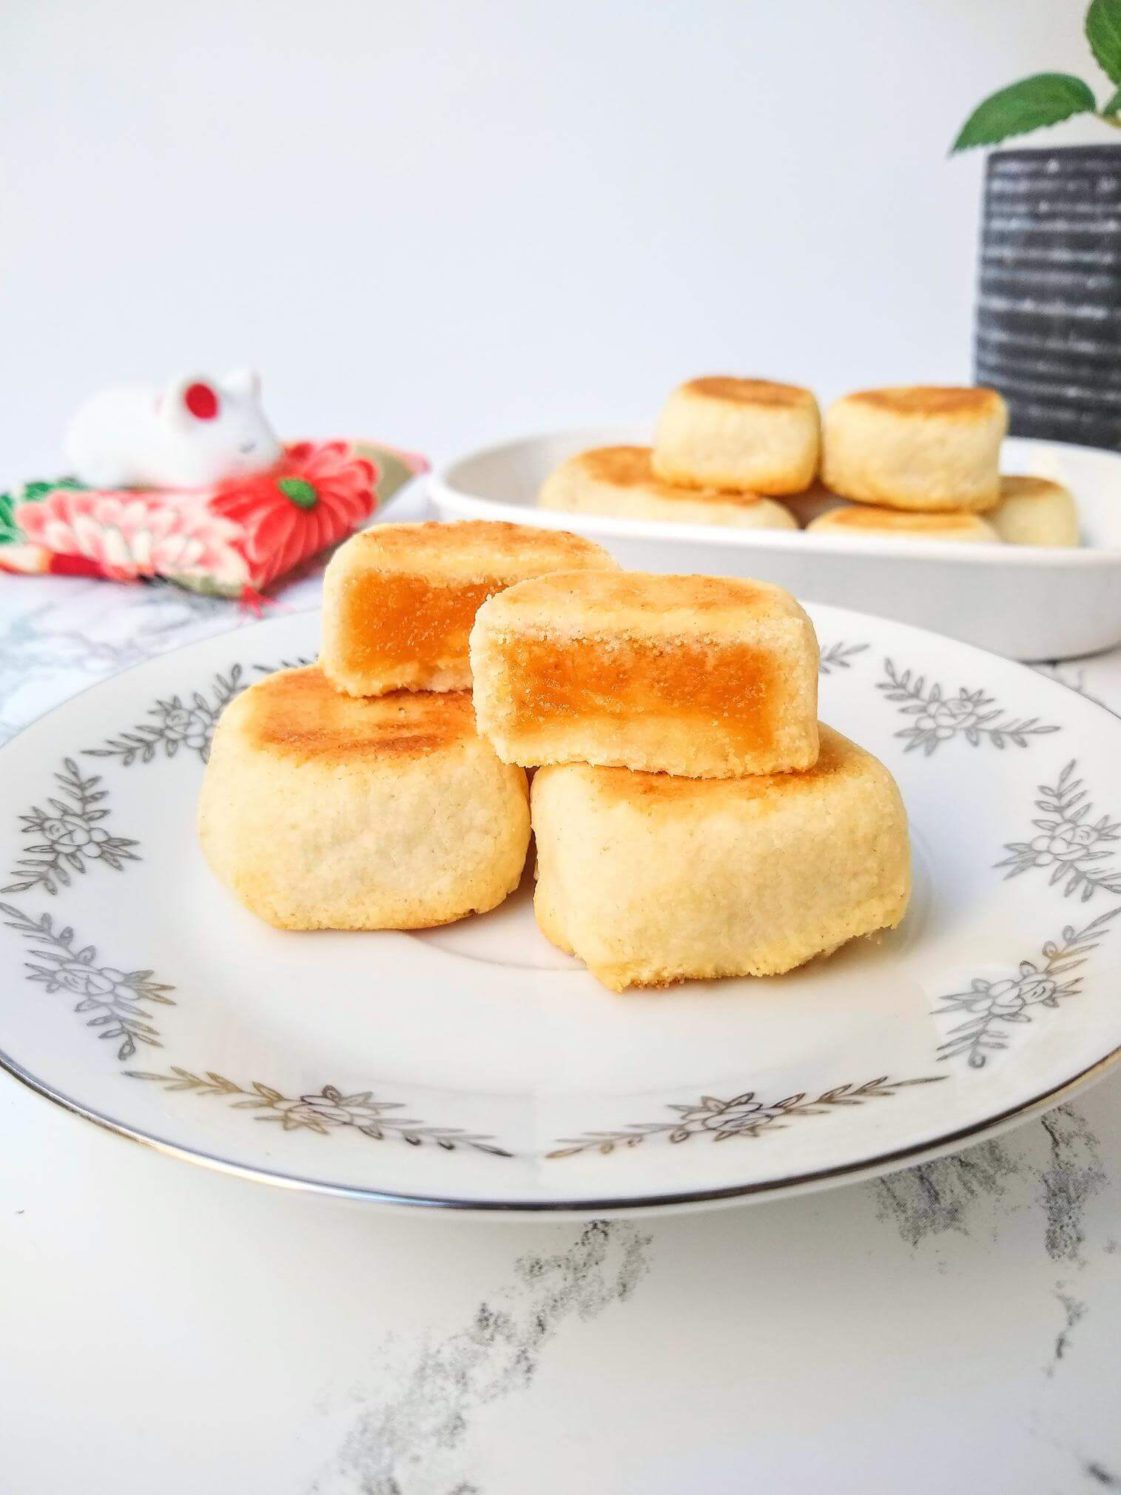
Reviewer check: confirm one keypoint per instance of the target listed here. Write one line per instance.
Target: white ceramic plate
(474, 1066)
(1025, 602)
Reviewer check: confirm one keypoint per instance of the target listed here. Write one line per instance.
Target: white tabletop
(166, 1328)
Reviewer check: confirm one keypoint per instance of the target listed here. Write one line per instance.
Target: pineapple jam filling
(407, 620)
(736, 687)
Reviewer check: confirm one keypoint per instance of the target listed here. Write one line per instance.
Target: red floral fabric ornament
(317, 494)
(233, 539)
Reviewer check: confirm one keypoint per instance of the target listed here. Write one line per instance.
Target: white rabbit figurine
(189, 435)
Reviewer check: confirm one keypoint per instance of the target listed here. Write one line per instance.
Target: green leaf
(1044, 99)
(1114, 104)
(9, 529)
(1103, 32)
(37, 491)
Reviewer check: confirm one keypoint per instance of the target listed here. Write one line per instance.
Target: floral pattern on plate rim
(1036, 983)
(941, 715)
(323, 1111)
(1068, 842)
(1072, 847)
(113, 996)
(68, 836)
(178, 724)
(743, 1116)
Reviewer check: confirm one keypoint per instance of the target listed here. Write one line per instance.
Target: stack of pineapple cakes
(692, 817)
(356, 793)
(919, 463)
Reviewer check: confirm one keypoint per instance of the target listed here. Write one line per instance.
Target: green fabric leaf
(1044, 99)
(1103, 32)
(35, 492)
(9, 529)
(10, 532)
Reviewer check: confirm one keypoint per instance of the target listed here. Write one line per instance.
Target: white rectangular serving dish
(1022, 601)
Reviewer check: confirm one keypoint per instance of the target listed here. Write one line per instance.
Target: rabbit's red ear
(201, 400)
(188, 398)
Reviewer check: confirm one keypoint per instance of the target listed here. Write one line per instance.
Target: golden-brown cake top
(868, 517)
(630, 467)
(749, 391)
(299, 713)
(622, 466)
(837, 757)
(599, 602)
(468, 550)
(953, 402)
(1027, 487)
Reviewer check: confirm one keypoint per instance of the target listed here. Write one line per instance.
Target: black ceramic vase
(1049, 295)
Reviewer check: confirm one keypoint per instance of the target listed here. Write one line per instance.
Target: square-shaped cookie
(753, 434)
(702, 676)
(651, 879)
(916, 447)
(323, 811)
(620, 481)
(1035, 511)
(399, 599)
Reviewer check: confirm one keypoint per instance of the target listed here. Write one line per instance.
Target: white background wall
(443, 221)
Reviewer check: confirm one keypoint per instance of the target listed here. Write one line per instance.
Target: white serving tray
(1025, 602)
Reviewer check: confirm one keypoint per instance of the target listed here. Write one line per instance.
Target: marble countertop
(952, 1326)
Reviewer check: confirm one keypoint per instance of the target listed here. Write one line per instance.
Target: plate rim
(811, 1180)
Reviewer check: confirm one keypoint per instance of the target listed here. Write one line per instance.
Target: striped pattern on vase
(1048, 332)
